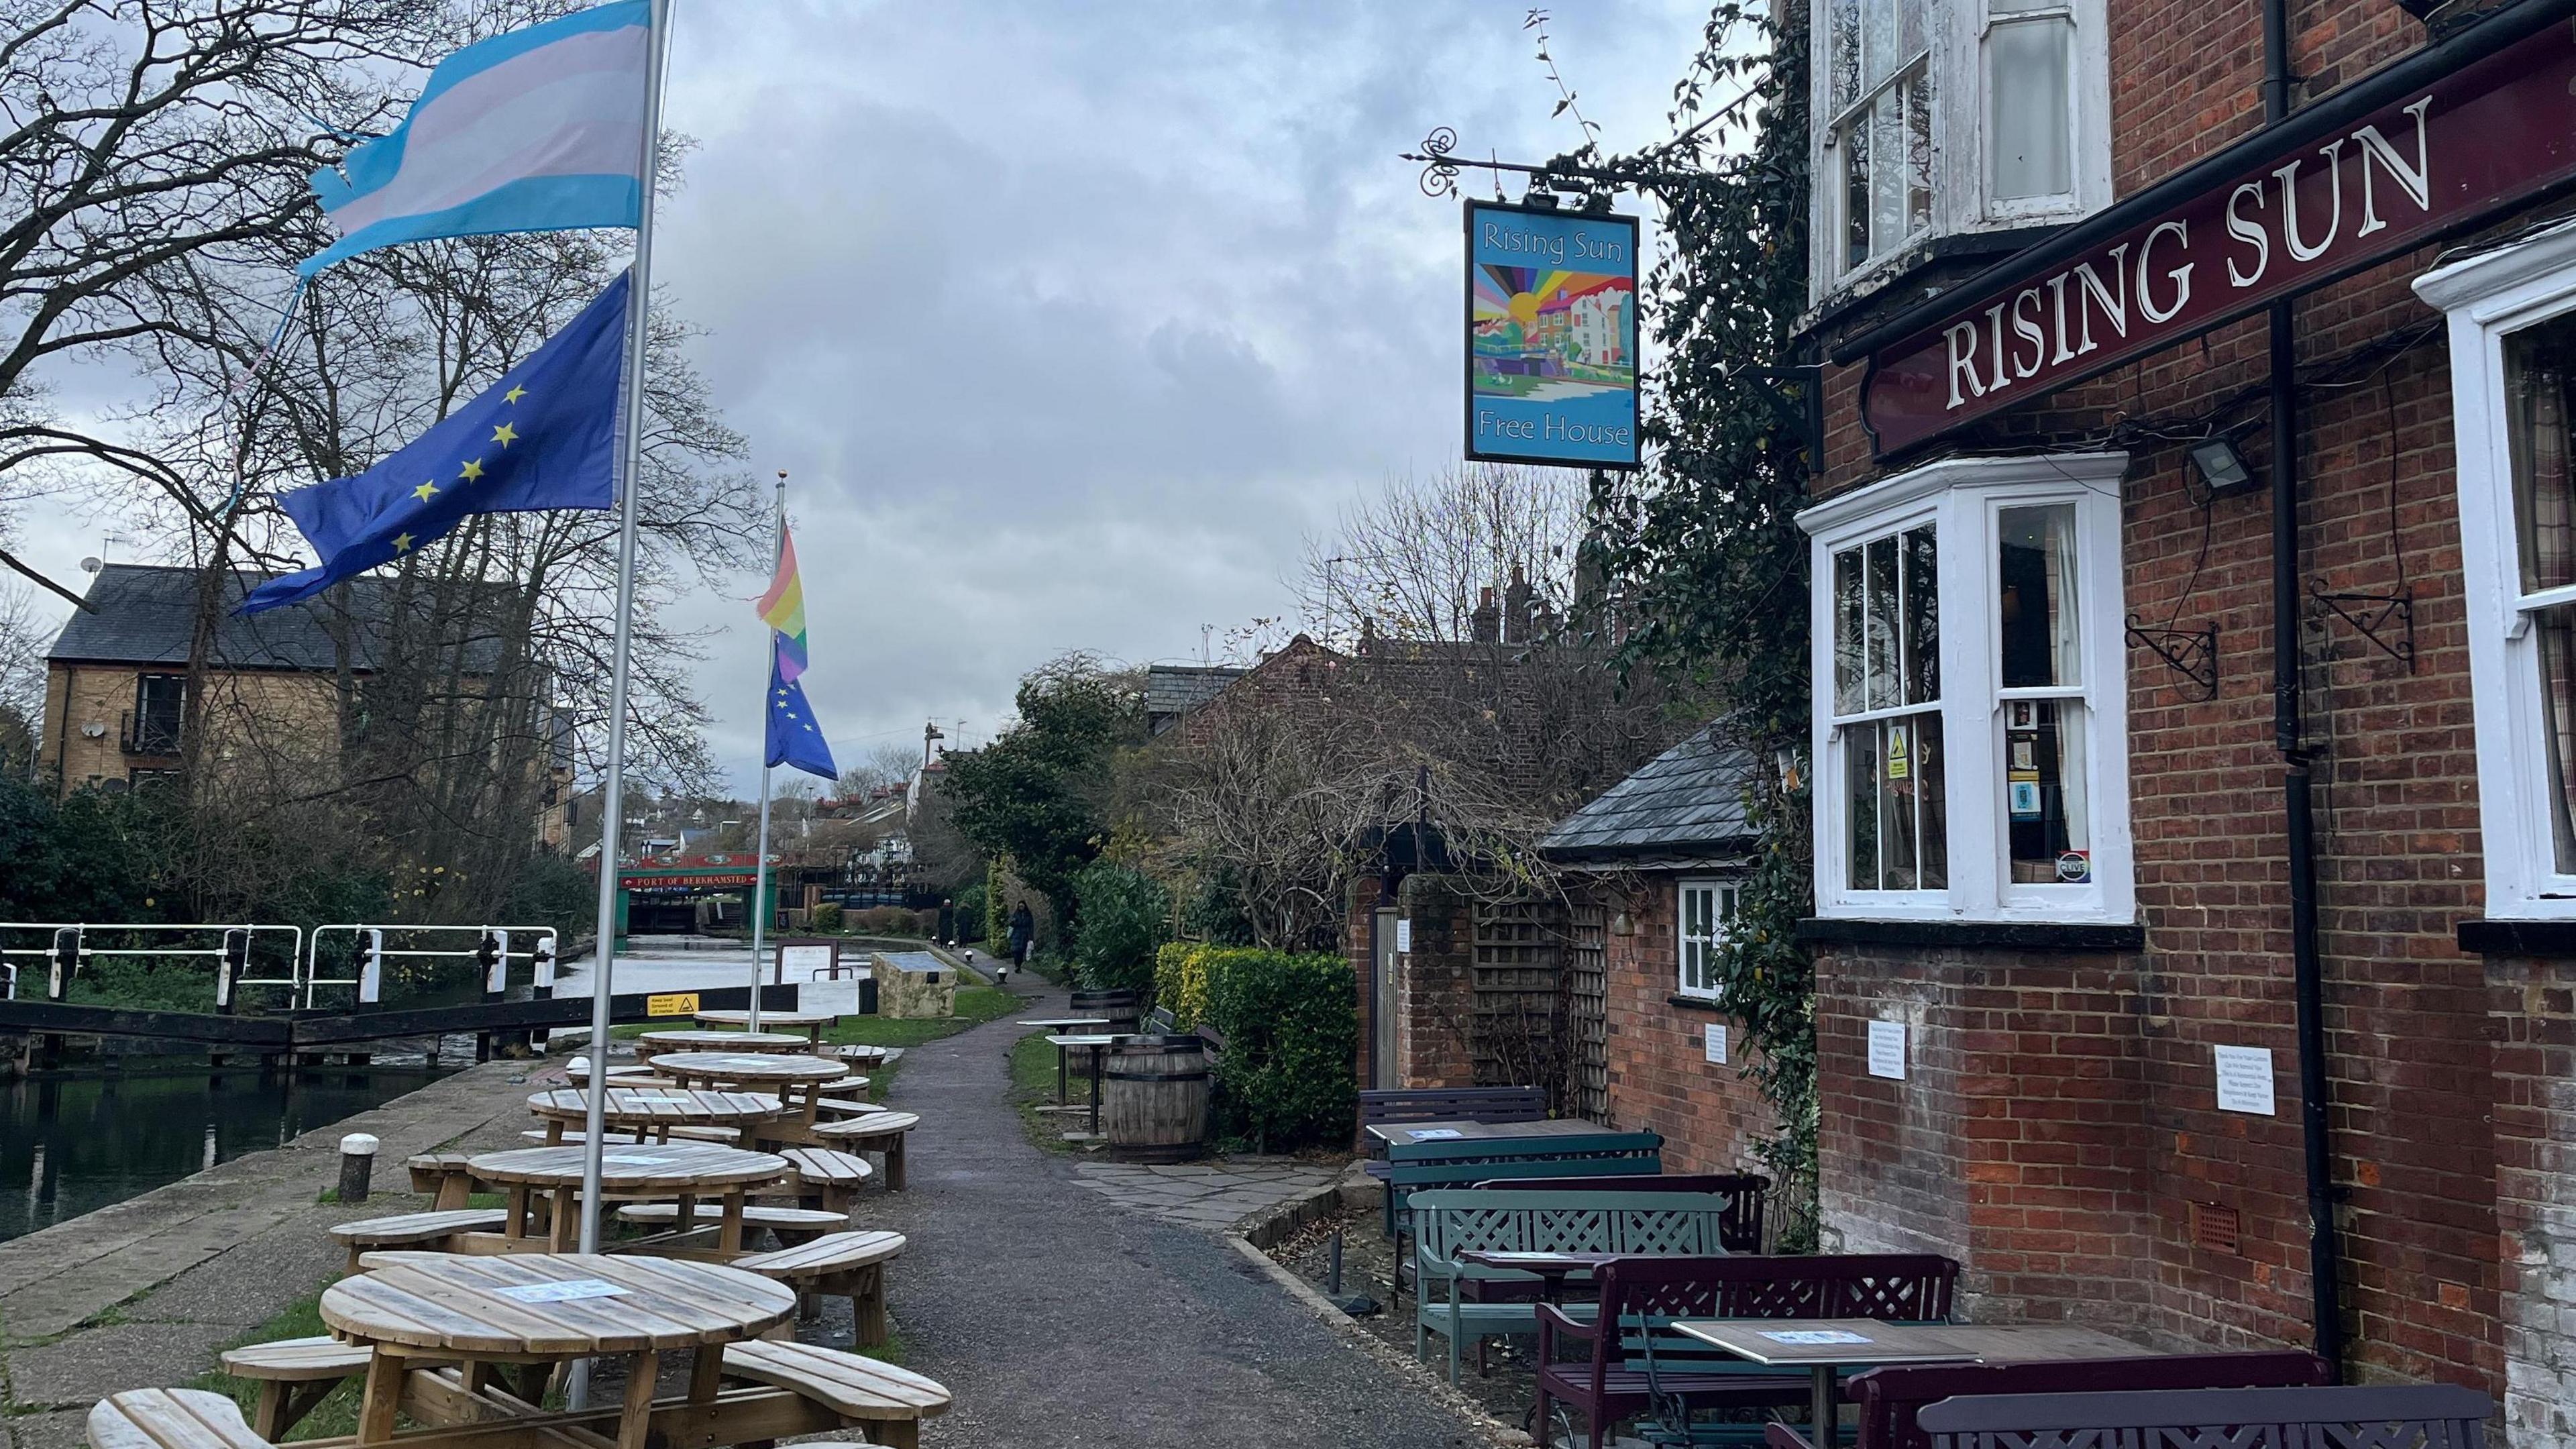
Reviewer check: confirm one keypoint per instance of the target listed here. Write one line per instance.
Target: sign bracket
(2386, 620)
(2191, 653)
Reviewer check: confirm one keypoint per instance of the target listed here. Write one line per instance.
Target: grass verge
(1033, 1086)
(335, 1415)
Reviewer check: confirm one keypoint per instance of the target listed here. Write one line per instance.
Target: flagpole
(760, 857)
(630, 449)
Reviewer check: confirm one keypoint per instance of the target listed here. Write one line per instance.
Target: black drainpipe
(2325, 1267)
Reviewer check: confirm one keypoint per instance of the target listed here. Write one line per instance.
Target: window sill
(2012, 935)
(1695, 1003)
(1892, 283)
(2518, 938)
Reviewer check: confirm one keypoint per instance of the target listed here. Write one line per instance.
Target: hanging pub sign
(1551, 336)
(2330, 191)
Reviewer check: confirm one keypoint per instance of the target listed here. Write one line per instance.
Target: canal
(74, 1141)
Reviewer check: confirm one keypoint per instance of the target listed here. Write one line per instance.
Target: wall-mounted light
(2222, 468)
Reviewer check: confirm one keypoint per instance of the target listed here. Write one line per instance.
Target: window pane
(1898, 798)
(1935, 823)
(1860, 800)
(2028, 122)
(1855, 149)
(1922, 618)
(1878, 44)
(1845, 52)
(2035, 564)
(2047, 819)
(1909, 29)
(2537, 363)
(2556, 630)
(1888, 183)
(1916, 95)
(1848, 648)
(1883, 689)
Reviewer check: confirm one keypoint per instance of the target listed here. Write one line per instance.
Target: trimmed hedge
(1118, 922)
(1286, 1078)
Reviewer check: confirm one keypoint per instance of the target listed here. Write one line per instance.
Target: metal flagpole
(630, 451)
(760, 858)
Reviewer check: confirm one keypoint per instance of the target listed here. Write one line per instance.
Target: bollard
(357, 1166)
(1333, 1273)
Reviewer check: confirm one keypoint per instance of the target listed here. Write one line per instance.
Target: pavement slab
(80, 1369)
(63, 1430)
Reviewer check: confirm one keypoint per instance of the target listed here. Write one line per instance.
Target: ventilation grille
(2215, 1229)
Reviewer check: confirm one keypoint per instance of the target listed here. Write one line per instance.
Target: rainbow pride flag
(783, 610)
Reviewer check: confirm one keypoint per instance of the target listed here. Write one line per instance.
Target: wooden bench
(442, 1176)
(880, 1132)
(575, 1137)
(2430, 1416)
(1892, 1399)
(170, 1419)
(793, 1225)
(1452, 1104)
(429, 1232)
(1414, 1166)
(843, 1265)
(1745, 1192)
(1451, 1221)
(826, 1177)
(294, 1375)
(888, 1402)
(1640, 1298)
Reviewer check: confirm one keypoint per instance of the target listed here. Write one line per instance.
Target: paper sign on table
(1887, 1050)
(634, 1159)
(1434, 1134)
(2245, 1080)
(1716, 1043)
(563, 1292)
(1816, 1335)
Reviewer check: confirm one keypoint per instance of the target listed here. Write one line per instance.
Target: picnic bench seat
(1451, 1104)
(2436, 1416)
(831, 1107)
(1892, 1399)
(1746, 1192)
(825, 1176)
(170, 1419)
(1640, 1298)
(1413, 1166)
(793, 1225)
(1451, 1221)
(880, 1132)
(294, 1375)
(442, 1176)
(888, 1402)
(844, 1265)
(429, 1232)
(575, 1137)
(852, 1085)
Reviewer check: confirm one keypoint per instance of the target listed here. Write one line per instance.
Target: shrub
(827, 916)
(969, 914)
(1292, 1031)
(1181, 982)
(890, 921)
(1119, 920)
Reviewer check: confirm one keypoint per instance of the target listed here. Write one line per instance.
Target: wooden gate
(1587, 1011)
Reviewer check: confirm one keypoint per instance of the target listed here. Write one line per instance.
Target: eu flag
(544, 436)
(794, 738)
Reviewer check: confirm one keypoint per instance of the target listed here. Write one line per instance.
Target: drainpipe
(2325, 1267)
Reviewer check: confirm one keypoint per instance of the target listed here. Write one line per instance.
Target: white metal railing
(68, 948)
(491, 947)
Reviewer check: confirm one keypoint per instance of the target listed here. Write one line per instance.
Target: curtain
(2067, 643)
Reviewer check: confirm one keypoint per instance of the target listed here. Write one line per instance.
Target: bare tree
(879, 767)
(1415, 560)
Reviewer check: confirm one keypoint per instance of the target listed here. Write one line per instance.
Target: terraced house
(2194, 625)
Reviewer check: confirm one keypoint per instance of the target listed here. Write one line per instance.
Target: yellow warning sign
(676, 1003)
(1896, 752)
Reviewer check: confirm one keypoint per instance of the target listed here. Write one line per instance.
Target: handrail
(64, 965)
(491, 947)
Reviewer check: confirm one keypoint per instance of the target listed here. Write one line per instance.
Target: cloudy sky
(1069, 322)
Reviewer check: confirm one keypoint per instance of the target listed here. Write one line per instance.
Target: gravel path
(1059, 1319)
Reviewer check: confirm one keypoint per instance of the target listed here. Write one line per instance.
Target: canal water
(74, 1141)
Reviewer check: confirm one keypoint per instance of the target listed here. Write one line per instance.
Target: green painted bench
(1412, 1167)
(1451, 1221)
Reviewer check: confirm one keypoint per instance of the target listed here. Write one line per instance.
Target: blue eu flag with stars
(794, 738)
(544, 436)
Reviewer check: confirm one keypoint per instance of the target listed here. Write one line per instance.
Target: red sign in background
(2436, 159)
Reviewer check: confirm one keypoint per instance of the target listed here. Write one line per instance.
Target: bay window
(1972, 709)
(2513, 379)
(1938, 118)
(1707, 907)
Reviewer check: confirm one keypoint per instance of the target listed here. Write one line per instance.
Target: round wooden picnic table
(642, 1172)
(653, 1045)
(652, 1110)
(543, 1308)
(796, 1078)
(809, 1022)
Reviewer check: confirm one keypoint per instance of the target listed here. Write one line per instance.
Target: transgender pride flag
(783, 610)
(540, 129)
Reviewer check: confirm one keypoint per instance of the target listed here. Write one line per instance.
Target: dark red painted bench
(1447, 1104)
(1892, 1399)
(1746, 1192)
(2419, 1416)
(1640, 1297)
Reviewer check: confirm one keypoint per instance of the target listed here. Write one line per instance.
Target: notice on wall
(1403, 936)
(804, 963)
(2245, 1080)
(1887, 1050)
(674, 1003)
(1715, 1037)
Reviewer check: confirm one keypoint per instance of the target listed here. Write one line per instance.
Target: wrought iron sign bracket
(2191, 653)
(2386, 620)
(1441, 165)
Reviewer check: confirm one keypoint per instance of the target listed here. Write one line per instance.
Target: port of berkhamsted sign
(2283, 217)
(1551, 336)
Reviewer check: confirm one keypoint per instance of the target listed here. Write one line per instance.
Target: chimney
(1485, 625)
(1516, 608)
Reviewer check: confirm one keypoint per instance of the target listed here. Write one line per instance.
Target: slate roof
(1684, 806)
(144, 613)
(1173, 690)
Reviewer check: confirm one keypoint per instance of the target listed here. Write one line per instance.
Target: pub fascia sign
(2481, 138)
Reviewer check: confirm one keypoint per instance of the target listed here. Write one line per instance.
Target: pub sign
(1551, 336)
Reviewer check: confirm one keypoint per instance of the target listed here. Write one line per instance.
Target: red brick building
(2194, 621)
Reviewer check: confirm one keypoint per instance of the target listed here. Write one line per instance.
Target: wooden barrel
(1154, 1098)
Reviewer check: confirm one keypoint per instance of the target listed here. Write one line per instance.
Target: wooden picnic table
(1464, 1130)
(654, 1044)
(1099, 1043)
(645, 1172)
(809, 1022)
(411, 1309)
(1551, 1268)
(652, 1110)
(796, 1077)
(1830, 1345)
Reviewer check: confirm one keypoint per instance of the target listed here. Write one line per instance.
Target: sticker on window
(1896, 763)
(2075, 866)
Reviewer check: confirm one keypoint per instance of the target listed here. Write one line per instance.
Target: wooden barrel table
(1154, 1102)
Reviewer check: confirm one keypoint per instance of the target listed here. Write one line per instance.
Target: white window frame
(1962, 190)
(1962, 497)
(2487, 297)
(1726, 897)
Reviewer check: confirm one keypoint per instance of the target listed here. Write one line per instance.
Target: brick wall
(1711, 1116)
(2534, 1008)
(2061, 1125)
(1435, 986)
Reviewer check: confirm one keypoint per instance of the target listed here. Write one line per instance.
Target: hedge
(1286, 1077)
(1118, 922)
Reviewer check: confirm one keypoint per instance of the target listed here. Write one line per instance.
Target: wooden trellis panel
(1519, 997)
(1587, 992)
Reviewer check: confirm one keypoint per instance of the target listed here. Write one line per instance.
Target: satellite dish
(92, 565)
